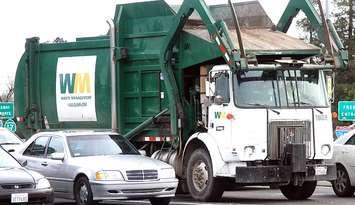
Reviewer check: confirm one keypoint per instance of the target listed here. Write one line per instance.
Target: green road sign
(11, 125)
(346, 110)
(6, 110)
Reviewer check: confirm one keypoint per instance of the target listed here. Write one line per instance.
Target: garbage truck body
(219, 92)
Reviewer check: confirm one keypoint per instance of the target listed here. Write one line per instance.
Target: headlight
(249, 150)
(43, 184)
(166, 173)
(109, 175)
(325, 149)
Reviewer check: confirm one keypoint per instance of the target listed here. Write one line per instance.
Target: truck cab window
(222, 87)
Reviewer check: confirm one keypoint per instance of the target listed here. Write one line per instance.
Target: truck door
(219, 125)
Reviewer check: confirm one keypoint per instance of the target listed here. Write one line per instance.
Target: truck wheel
(303, 192)
(200, 181)
(82, 192)
(160, 201)
(341, 186)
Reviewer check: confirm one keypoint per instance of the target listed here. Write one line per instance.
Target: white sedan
(96, 166)
(344, 157)
(9, 140)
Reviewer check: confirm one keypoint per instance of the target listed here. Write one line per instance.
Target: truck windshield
(279, 88)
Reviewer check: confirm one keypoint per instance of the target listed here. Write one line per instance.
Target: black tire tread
(349, 191)
(214, 190)
(76, 187)
(299, 192)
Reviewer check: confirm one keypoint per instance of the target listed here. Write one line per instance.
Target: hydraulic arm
(219, 34)
(324, 28)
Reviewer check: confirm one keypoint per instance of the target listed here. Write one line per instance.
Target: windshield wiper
(307, 103)
(301, 103)
(266, 106)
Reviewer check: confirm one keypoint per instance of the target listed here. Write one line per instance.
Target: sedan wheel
(83, 193)
(341, 185)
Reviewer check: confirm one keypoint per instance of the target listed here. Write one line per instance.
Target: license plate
(321, 170)
(19, 198)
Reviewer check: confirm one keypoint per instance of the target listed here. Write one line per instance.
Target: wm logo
(74, 83)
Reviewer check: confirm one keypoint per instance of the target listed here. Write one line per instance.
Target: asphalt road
(250, 195)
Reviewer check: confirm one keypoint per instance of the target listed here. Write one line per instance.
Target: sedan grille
(141, 175)
(17, 186)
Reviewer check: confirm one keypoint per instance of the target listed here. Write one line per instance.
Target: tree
(8, 94)
(345, 22)
(305, 25)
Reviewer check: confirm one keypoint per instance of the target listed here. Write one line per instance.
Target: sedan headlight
(109, 175)
(43, 184)
(166, 173)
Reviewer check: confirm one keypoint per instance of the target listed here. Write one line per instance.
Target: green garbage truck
(220, 92)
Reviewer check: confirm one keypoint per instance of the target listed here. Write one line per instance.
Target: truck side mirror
(210, 88)
(218, 100)
(330, 87)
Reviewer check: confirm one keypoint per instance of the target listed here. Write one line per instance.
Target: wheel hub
(83, 193)
(340, 182)
(200, 176)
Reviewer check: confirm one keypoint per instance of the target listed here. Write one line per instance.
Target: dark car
(19, 185)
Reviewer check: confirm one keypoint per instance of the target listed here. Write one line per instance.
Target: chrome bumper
(112, 190)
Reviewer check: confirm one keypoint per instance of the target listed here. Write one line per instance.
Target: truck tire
(342, 186)
(200, 181)
(303, 192)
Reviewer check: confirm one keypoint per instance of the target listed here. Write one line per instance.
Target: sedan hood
(120, 162)
(15, 176)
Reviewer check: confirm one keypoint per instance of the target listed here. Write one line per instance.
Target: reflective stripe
(157, 139)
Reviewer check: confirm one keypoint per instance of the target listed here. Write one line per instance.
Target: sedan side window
(351, 141)
(56, 145)
(37, 148)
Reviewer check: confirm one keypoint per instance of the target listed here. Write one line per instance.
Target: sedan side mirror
(24, 163)
(142, 152)
(57, 156)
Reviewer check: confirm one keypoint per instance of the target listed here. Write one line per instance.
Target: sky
(48, 19)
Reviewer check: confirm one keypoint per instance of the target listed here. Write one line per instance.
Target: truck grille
(288, 132)
(141, 175)
(17, 186)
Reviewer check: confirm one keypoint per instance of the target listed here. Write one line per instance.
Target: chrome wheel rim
(200, 176)
(341, 181)
(83, 193)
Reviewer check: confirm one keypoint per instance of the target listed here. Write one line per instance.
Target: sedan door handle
(44, 164)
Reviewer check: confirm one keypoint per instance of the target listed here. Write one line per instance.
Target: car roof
(77, 132)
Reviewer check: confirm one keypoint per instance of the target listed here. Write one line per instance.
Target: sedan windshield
(97, 145)
(7, 161)
(7, 137)
(279, 88)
